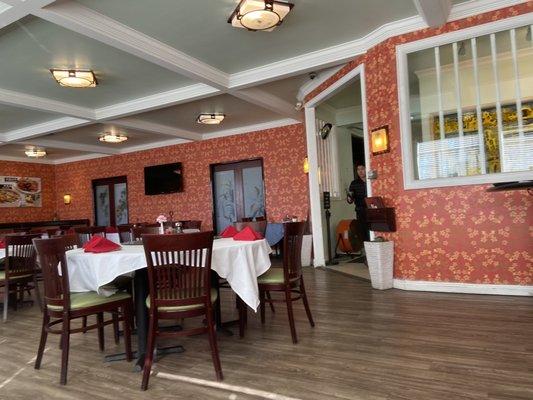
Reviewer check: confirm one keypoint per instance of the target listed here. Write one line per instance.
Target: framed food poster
(20, 192)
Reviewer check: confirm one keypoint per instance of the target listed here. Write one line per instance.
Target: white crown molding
(65, 145)
(22, 100)
(83, 20)
(26, 160)
(155, 145)
(159, 100)
(250, 128)
(147, 126)
(44, 128)
(434, 12)
(270, 102)
(82, 157)
(16, 10)
(312, 84)
(475, 7)
(468, 288)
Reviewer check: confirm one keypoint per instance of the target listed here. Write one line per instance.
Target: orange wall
(47, 175)
(282, 149)
(457, 234)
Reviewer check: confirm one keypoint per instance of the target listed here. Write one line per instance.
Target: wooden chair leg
(213, 344)
(262, 305)
(270, 302)
(6, 299)
(149, 356)
(100, 322)
(37, 293)
(42, 342)
(306, 303)
(65, 340)
(241, 310)
(116, 328)
(84, 324)
(126, 323)
(291, 315)
(218, 309)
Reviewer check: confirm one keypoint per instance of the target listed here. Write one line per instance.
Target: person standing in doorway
(356, 194)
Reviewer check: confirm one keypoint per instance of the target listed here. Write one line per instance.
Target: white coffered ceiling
(160, 63)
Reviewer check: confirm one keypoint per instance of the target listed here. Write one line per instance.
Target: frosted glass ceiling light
(109, 137)
(210, 119)
(259, 15)
(35, 153)
(74, 78)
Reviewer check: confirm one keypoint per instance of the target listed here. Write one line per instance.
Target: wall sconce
(67, 199)
(379, 139)
(306, 165)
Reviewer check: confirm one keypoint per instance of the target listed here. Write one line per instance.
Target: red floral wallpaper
(47, 175)
(282, 149)
(456, 234)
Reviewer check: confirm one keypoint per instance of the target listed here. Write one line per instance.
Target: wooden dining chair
(191, 224)
(138, 231)
(288, 280)
(19, 272)
(61, 306)
(258, 226)
(124, 232)
(85, 233)
(179, 281)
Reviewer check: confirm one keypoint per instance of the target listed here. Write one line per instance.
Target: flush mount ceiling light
(35, 153)
(259, 15)
(210, 119)
(110, 137)
(74, 78)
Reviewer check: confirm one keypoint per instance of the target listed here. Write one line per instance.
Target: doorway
(336, 106)
(110, 201)
(238, 192)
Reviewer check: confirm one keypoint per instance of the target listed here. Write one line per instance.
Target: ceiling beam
(434, 12)
(45, 128)
(269, 101)
(22, 100)
(62, 144)
(83, 20)
(147, 126)
(19, 9)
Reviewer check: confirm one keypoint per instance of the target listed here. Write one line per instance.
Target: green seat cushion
(90, 299)
(214, 296)
(273, 276)
(3, 276)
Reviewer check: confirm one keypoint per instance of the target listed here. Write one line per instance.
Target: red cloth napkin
(248, 234)
(2, 244)
(111, 229)
(229, 232)
(99, 244)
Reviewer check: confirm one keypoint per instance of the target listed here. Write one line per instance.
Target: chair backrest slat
(179, 268)
(20, 255)
(292, 249)
(53, 262)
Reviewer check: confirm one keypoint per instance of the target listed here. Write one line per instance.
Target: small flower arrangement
(161, 219)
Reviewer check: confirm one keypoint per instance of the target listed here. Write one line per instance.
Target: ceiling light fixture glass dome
(259, 15)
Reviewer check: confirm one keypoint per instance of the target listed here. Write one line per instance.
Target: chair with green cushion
(19, 269)
(288, 280)
(61, 306)
(179, 281)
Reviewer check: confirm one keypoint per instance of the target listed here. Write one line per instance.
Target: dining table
(239, 262)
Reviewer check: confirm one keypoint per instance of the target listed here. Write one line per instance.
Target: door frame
(229, 163)
(312, 154)
(107, 181)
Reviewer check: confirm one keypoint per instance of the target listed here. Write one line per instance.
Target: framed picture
(374, 202)
(379, 140)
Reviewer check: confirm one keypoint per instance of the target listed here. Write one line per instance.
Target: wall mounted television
(163, 179)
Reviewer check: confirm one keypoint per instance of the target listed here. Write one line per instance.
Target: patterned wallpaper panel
(282, 149)
(47, 175)
(456, 234)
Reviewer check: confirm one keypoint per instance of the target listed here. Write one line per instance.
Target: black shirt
(358, 193)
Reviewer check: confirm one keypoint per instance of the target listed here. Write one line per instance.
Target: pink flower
(161, 219)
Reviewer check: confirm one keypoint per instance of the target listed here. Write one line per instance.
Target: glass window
(470, 105)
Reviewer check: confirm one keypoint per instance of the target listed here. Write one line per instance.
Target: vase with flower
(161, 221)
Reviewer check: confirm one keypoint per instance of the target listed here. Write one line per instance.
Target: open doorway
(335, 158)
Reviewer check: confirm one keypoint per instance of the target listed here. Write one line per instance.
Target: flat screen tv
(163, 179)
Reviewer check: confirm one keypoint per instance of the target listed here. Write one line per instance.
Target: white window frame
(402, 51)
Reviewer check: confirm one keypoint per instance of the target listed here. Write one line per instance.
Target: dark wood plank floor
(367, 344)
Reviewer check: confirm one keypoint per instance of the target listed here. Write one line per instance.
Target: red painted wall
(47, 175)
(457, 234)
(282, 149)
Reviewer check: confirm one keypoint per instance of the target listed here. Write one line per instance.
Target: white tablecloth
(2, 254)
(239, 262)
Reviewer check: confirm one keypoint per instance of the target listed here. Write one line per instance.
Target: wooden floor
(367, 344)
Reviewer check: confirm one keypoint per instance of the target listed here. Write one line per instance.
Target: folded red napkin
(248, 234)
(99, 244)
(229, 232)
(111, 229)
(2, 244)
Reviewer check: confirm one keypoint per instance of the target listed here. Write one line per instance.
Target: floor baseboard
(458, 287)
